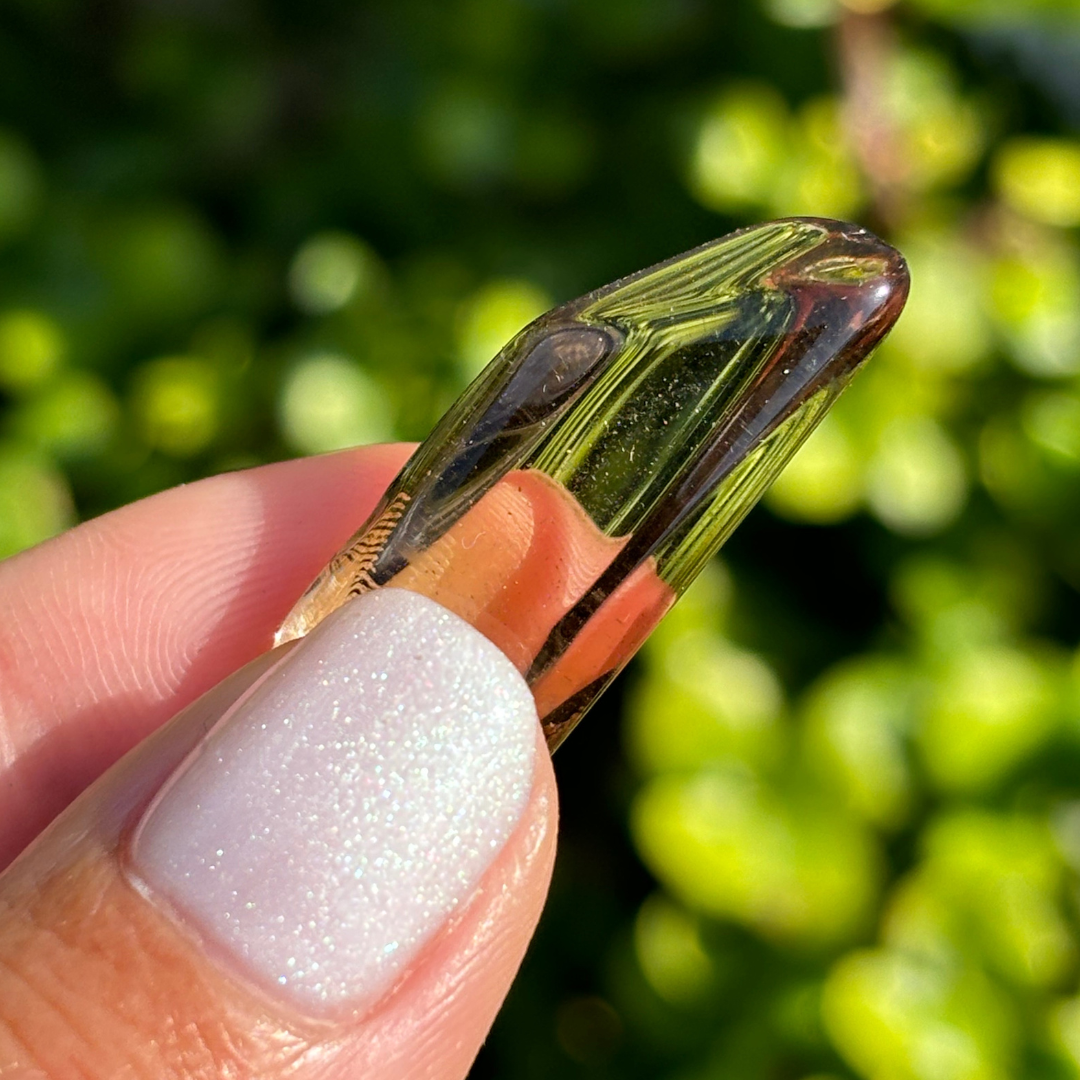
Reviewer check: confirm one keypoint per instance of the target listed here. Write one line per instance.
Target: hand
(405, 859)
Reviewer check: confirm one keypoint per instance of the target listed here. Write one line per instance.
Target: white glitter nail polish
(330, 826)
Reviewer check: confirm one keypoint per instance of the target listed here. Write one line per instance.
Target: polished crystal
(606, 453)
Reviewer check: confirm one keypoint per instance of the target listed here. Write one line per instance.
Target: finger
(111, 628)
(338, 880)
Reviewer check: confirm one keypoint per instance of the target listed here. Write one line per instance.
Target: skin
(518, 561)
(110, 630)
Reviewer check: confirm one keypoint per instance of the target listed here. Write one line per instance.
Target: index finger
(112, 627)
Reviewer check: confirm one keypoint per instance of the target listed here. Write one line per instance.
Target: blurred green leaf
(35, 501)
(20, 186)
(899, 1017)
(788, 864)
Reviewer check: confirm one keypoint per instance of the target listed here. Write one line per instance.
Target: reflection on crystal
(608, 451)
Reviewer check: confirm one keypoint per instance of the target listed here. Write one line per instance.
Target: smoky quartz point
(583, 480)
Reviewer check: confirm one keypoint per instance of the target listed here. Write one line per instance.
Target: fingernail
(331, 825)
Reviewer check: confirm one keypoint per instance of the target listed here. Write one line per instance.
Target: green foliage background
(829, 825)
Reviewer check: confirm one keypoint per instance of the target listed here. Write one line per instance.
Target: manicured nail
(335, 820)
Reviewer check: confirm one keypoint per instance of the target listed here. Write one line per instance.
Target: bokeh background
(828, 825)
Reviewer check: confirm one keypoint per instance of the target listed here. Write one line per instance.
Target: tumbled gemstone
(602, 458)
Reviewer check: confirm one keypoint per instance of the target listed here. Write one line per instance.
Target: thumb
(329, 865)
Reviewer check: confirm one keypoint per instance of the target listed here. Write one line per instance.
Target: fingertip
(445, 832)
(95, 981)
(114, 626)
(437, 1022)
